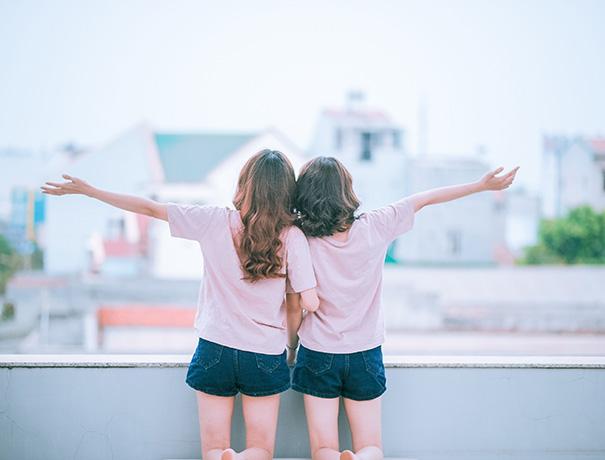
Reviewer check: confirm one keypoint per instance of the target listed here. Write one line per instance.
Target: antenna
(355, 100)
(423, 126)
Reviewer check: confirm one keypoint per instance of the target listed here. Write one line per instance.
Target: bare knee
(260, 440)
(316, 450)
(215, 440)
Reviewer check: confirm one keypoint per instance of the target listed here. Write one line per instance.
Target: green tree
(578, 238)
(8, 263)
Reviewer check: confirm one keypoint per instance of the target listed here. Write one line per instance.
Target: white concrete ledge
(420, 361)
(61, 407)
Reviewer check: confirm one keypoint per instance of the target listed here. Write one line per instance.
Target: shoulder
(294, 235)
(195, 212)
(396, 208)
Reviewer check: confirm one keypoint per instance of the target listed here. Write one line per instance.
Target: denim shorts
(359, 376)
(223, 371)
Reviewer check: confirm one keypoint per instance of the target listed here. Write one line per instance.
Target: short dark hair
(324, 198)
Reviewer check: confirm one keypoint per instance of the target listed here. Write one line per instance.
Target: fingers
(60, 188)
(496, 171)
(512, 172)
(495, 182)
(51, 191)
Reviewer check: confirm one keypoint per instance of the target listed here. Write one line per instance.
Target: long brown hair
(264, 197)
(325, 200)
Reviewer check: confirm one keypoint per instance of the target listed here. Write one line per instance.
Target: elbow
(312, 308)
(149, 211)
(311, 302)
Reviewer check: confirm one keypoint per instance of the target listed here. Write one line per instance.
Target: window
(366, 146)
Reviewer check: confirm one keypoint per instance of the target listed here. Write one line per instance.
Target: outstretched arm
(75, 186)
(489, 181)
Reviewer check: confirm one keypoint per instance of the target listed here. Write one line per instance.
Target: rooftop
(189, 157)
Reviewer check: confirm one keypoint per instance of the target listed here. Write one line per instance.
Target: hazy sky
(493, 73)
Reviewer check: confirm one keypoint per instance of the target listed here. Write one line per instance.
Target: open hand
(493, 182)
(72, 186)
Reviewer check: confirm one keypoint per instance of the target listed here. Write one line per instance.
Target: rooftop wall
(436, 408)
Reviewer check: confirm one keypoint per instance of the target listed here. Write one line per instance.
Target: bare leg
(260, 418)
(215, 424)
(322, 422)
(366, 429)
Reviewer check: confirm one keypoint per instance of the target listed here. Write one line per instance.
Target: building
(470, 230)
(22, 205)
(573, 173)
(372, 146)
(522, 219)
(86, 235)
(24, 229)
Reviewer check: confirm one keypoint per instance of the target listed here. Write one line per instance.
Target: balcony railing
(436, 408)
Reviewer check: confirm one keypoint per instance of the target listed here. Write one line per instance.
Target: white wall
(378, 181)
(581, 180)
(178, 258)
(122, 166)
(522, 219)
(430, 412)
(476, 219)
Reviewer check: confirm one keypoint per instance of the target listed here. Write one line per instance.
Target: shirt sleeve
(299, 266)
(191, 221)
(393, 220)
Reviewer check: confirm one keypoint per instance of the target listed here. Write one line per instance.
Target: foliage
(8, 311)
(578, 238)
(8, 263)
(37, 259)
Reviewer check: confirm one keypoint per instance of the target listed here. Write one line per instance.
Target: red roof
(120, 248)
(598, 144)
(145, 315)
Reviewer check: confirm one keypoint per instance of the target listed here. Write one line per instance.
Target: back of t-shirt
(349, 282)
(231, 310)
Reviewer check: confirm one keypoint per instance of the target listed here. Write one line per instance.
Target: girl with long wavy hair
(340, 351)
(252, 256)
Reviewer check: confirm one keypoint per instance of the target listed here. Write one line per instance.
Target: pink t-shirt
(231, 311)
(349, 282)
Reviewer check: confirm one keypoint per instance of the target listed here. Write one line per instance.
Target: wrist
(89, 191)
(291, 348)
(478, 186)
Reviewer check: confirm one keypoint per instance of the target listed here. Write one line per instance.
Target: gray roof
(191, 157)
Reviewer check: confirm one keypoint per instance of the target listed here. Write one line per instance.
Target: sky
(496, 74)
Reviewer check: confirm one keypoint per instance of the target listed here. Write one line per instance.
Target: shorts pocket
(316, 361)
(208, 354)
(373, 361)
(268, 363)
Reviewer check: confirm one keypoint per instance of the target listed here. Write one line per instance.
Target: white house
(372, 146)
(470, 230)
(86, 235)
(369, 144)
(573, 174)
(522, 219)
